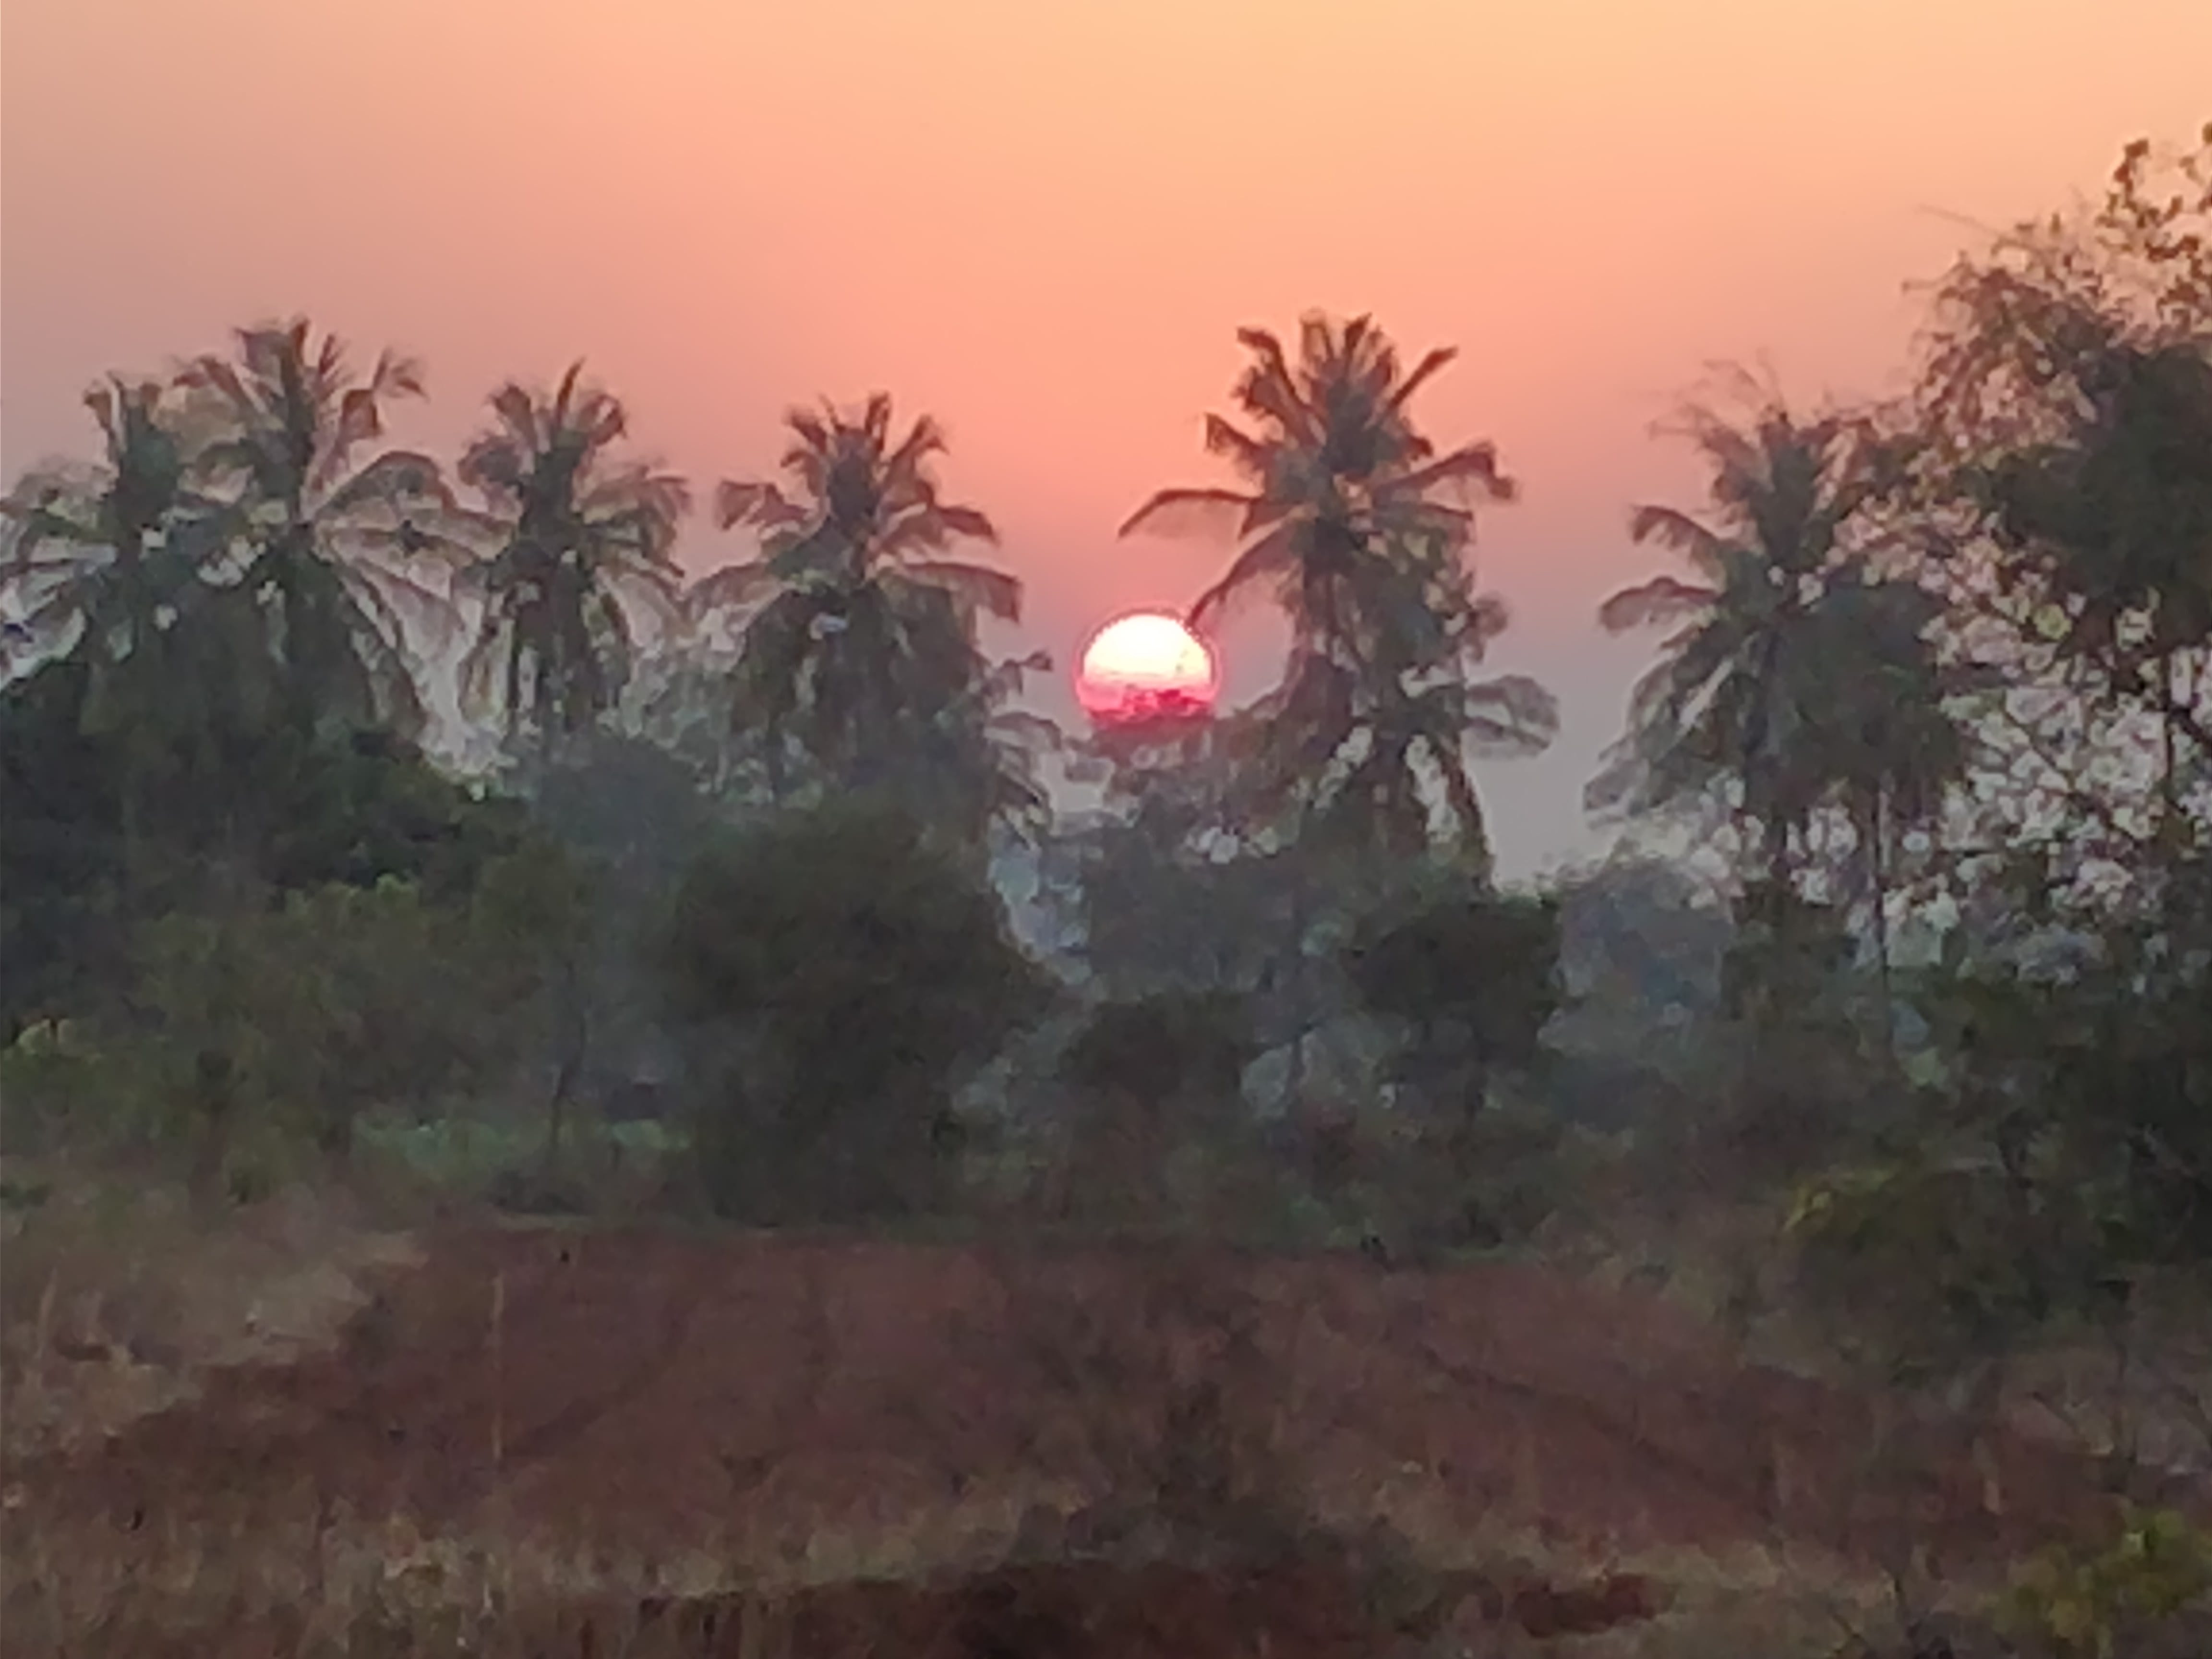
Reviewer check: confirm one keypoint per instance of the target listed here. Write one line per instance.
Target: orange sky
(1043, 220)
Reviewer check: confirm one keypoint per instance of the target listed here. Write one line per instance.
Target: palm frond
(1675, 529)
(761, 505)
(1512, 714)
(1662, 599)
(1475, 466)
(1252, 456)
(1190, 512)
(1272, 557)
(1431, 363)
(993, 592)
(965, 521)
(733, 587)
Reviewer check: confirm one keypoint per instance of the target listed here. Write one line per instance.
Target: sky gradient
(1044, 222)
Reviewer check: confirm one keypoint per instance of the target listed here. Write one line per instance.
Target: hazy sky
(1043, 219)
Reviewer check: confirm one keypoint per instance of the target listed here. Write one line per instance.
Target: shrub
(836, 971)
(2147, 1595)
(1155, 1077)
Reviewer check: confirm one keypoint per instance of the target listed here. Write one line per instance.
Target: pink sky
(1043, 223)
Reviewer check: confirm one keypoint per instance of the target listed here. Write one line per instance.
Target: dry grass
(344, 1566)
(315, 1583)
(115, 1299)
(114, 1302)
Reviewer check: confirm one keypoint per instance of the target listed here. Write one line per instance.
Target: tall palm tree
(1360, 527)
(579, 538)
(1730, 700)
(109, 563)
(865, 640)
(1884, 740)
(113, 549)
(334, 524)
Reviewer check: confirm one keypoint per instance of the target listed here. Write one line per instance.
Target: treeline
(1932, 702)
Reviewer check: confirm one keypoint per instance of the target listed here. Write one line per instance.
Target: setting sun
(1146, 665)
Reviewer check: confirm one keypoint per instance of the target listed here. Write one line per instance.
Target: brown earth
(656, 1394)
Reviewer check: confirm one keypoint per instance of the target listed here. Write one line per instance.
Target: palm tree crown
(333, 519)
(578, 538)
(114, 551)
(1731, 697)
(864, 654)
(1361, 529)
(1335, 473)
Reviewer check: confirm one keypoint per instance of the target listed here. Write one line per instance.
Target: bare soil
(655, 1393)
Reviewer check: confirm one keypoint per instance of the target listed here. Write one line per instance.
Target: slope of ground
(647, 1393)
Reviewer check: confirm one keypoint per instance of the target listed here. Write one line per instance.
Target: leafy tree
(255, 803)
(1344, 514)
(2065, 421)
(332, 527)
(862, 657)
(579, 538)
(1473, 973)
(374, 808)
(534, 924)
(1154, 1073)
(60, 844)
(628, 818)
(836, 971)
(1160, 907)
(1154, 1047)
(298, 1019)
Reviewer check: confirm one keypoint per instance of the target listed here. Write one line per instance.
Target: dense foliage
(344, 788)
(835, 969)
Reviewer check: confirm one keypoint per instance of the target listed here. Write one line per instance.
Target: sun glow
(1144, 665)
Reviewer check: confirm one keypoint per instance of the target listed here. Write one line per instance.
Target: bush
(2147, 1595)
(1473, 976)
(836, 971)
(1157, 1083)
(305, 1016)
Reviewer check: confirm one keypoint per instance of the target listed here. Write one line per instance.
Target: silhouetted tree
(108, 562)
(1474, 974)
(1347, 515)
(835, 970)
(1735, 696)
(862, 657)
(578, 538)
(332, 523)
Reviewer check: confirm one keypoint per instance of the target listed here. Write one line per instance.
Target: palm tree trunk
(1295, 1077)
(133, 794)
(215, 1098)
(1878, 873)
(572, 1029)
(2169, 776)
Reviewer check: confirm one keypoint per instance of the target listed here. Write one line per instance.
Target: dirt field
(638, 1396)
(656, 1388)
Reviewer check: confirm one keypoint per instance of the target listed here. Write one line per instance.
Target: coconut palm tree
(333, 522)
(109, 563)
(1360, 528)
(863, 641)
(110, 552)
(1885, 740)
(1735, 692)
(579, 537)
